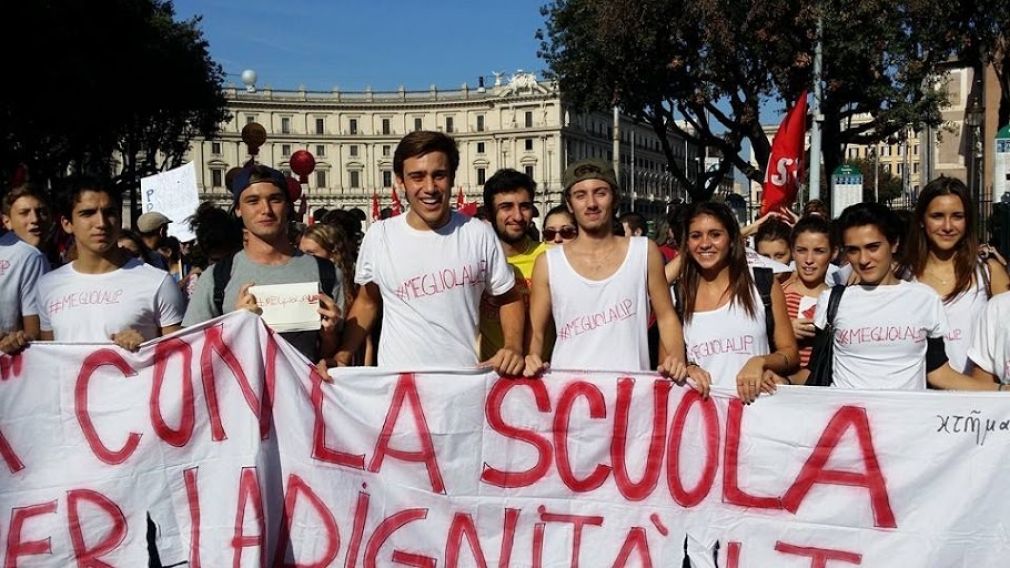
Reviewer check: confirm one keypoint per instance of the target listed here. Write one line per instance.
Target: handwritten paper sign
(289, 307)
(174, 194)
(242, 456)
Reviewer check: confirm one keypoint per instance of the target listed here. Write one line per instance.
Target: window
(250, 118)
(385, 149)
(285, 125)
(355, 179)
(901, 169)
(481, 176)
(321, 178)
(387, 178)
(320, 126)
(353, 150)
(417, 124)
(215, 148)
(285, 149)
(480, 123)
(915, 167)
(529, 144)
(529, 119)
(352, 125)
(448, 124)
(529, 171)
(915, 150)
(385, 126)
(215, 178)
(320, 151)
(480, 147)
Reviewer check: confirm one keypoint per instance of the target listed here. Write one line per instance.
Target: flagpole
(815, 129)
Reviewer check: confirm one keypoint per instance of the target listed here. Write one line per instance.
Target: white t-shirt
(21, 265)
(963, 313)
(601, 324)
(79, 307)
(431, 283)
(722, 340)
(990, 346)
(880, 334)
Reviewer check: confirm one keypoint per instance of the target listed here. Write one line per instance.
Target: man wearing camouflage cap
(599, 288)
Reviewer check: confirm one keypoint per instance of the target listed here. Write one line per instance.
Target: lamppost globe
(249, 80)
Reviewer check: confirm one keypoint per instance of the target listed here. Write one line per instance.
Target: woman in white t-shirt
(724, 318)
(943, 253)
(888, 333)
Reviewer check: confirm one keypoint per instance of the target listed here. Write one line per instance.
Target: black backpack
(222, 275)
(763, 279)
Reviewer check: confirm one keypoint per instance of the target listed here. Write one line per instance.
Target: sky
(379, 43)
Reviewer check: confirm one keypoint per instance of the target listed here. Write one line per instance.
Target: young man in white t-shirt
(26, 217)
(599, 287)
(104, 294)
(990, 345)
(425, 272)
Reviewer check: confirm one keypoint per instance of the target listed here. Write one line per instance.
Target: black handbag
(822, 358)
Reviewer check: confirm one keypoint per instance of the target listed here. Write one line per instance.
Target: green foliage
(714, 63)
(90, 79)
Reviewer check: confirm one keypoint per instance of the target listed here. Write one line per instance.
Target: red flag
(785, 164)
(375, 205)
(460, 199)
(396, 205)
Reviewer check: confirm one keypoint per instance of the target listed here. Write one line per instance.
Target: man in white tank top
(598, 289)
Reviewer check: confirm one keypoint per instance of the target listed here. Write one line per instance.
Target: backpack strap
(327, 275)
(222, 275)
(763, 279)
(833, 300)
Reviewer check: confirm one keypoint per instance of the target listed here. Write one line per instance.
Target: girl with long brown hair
(942, 252)
(725, 325)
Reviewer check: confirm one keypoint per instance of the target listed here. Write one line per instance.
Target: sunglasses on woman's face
(567, 232)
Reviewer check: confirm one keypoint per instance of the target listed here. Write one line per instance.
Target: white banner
(175, 195)
(241, 456)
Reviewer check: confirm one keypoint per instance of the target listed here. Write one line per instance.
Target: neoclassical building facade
(518, 123)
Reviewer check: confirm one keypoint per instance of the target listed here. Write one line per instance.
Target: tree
(714, 63)
(888, 186)
(128, 81)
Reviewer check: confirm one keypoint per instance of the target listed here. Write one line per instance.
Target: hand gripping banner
(241, 456)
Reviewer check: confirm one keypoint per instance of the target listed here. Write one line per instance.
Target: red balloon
(294, 189)
(302, 163)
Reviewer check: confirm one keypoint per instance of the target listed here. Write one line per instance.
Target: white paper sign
(289, 307)
(173, 194)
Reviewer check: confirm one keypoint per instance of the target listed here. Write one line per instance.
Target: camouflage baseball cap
(592, 168)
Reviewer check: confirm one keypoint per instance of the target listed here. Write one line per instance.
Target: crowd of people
(890, 302)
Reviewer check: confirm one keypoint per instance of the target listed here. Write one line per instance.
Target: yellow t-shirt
(491, 338)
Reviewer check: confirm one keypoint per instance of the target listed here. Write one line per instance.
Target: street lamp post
(973, 118)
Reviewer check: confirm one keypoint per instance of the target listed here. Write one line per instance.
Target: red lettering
(320, 451)
(733, 554)
(189, 476)
(631, 490)
(214, 347)
(385, 530)
(163, 351)
(360, 515)
(814, 470)
(248, 491)
(92, 363)
(10, 366)
(819, 557)
(684, 497)
(14, 463)
(462, 526)
(562, 421)
(16, 548)
(636, 541)
(492, 413)
(406, 391)
(732, 493)
(577, 522)
(508, 537)
(297, 487)
(538, 544)
(88, 557)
